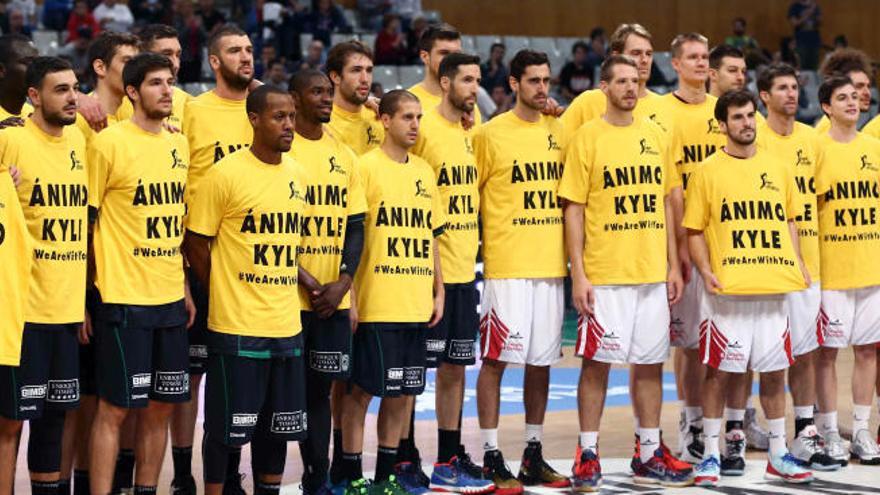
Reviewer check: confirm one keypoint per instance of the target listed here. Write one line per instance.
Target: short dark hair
(450, 63)
(137, 68)
(829, 86)
(7, 46)
(338, 55)
(434, 32)
(734, 98)
(42, 66)
(222, 32)
(771, 72)
(843, 61)
(153, 32)
(606, 71)
(258, 98)
(580, 44)
(390, 102)
(525, 58)
(497, 44)
(301, 79)
(724, 50)
(104, 48)
(274, 62)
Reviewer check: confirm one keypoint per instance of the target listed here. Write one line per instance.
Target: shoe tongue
(809, 431)
(736, 435)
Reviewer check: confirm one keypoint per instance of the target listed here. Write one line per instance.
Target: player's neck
(431, 84)
(341, 102)
(265, 153)
(448, 111)
(643, 89)
(307, 129)
(843, 132)
(394, 151)
(45, 126)
(690, 93)
(11, 103)
(525, 112)
(140, 119)
(715, 91)
(781, 124)
(109, 100)
(225, 91)
(618, 117)
(743, 151)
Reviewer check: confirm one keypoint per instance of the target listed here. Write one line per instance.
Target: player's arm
(329, 297)
(796, 244)
(197, 250)
(90, 108)
(188, 300)
(699, 252)
(582, 294)
(674, 281)
(439, 289)
(676, 201)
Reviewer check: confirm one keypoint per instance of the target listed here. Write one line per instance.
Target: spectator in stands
(79, 18)
(408, 10)
(192, 40)
(325, 19)
(598, 47)
(377, 90)
(493, 72)
(805, 17)
(28, 8)
(372, 12)
(17, 24)
(55, 14)
(502, 99)
(413, 34)
(293, 22)
(261, 65)
(390, 46)
(276, 75)
(212, 18)
(748, 45)
(315, 56)
(577, 75)
(150, 11)
(77, 50)
(113, 16)
(788, 53)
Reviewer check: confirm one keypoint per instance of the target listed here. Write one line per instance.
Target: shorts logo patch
(461, 349)
(414, 377)
(610, 341)
(244, 420)
(63, 390)
(141, 380)
(394, 374)
(435, 345)
(345, 362)
(198, 351)
(289, 422)
(33, 392)
(172, 382)
(328, 362)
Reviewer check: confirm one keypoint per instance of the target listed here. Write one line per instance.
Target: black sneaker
(534, 470)
(232, 485)
(183, 487)
(467, 465)
(495, 469)
(423, 479)
(733, 462)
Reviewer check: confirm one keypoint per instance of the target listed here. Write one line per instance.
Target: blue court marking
(563, 392)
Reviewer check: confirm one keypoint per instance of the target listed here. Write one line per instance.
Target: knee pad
(215, 456)
(44, 445)
(268, 455)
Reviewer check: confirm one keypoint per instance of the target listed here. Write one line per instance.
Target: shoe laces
(867, 443)
(467, 465)
(736, 446)
(709, 463)
(814, 442)
(497, 465)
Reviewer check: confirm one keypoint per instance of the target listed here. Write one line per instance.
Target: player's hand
(582, 295)
(711, 282)
(15, 172)
(190, 308)
(684, 259)
(85, 330)
(553, 108)
(674, 285)
(11, 122)
(468, 120)
(807, 279)
(332, 294)
(437, 313)
(353, 317)
(170, 128)
(90, 109)
(373, 104)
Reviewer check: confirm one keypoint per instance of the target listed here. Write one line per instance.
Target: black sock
(182, 457)
(144, 490)
(44, 487)
(386, 458)
(733, 425)
(263, 488)
(405, 451)
(352, 467)
(801, 423)
(81, 482)
(233, 464)
(64, 487)
(123, 477)
(336, 461)
(448, 442)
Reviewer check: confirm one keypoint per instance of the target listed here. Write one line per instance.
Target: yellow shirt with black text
(361, 131)
(694, 132)
(254, 212)
(137, 182)
(395, 278)
(519, 165)
(54, 197)
(16, 273)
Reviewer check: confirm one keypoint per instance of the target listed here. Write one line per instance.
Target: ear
(713, 75)
(445, 84)
(722, 126)
(214, 61)
(99, 67)
(603, 86)
(764, 96)
(252, 118)
(132, 94)
(386, 120)
(34, 96)
(676, 64)
(425, 56)
(296, 100)
(513, 83)
(335, 78)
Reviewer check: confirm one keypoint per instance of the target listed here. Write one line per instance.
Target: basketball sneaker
(865, 449)
(786, 468)
(495, 469)
(586, 474)
(451, 477)
(807, 448)
(534, 470)
(407, 476)
(733, 461)
(837, 448)
(708, 472)
(657, 472)
(757, 437)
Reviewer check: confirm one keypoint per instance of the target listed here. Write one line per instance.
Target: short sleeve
(823, 173)
(438, 214)
(357, 196)
(482, 156)
(794, 207)
(99, 170)
(575, 183)
(696, 211)
(670, 171)
(4, 158)
(208, 205)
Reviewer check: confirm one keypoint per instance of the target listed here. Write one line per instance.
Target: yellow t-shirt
(178, 107)
(798, 150)
(254, 211)
(823, 125)
(695, 133)
(395, 278)
(742, 206)
(872, 128)
(592, 103)
(87, 132)
(622, 175)
(214, 127)
(432, 101)
(519, 165)
(15, 275)
(137, 181)
(26, 110)
(448, 148)
(54, 197)
(848, 188)
(333, 194)
(361, 131)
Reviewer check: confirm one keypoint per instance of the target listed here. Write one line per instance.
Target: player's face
(113, 73)
(463, 88)
(315, 101)
(844, 105)
(693, 62)
(56, 97)
(862, 83)
(731, 75)
(623, 88)
(357, 76)
(235, 62)
(783, 96)
(640, 51)
(13, 72)
(170, 47)
(533, 87)
(740, 125)
(439, 51)
(403, 126)
(274, 125)
(155, 94)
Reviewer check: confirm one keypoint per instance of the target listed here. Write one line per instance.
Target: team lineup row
(309, 250)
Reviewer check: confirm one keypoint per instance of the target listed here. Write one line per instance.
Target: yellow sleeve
(4, 144)
(208, 205)
(357, 198)
(670, 171)
(872, 128)
(822, 171)
(793, 206)
(99, 171)
(419, 148)
(575, 183)
(696, 211)
(437, 212)
(482, 156)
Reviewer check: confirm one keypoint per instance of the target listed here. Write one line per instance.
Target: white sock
(589, 440)
(803, 412)
(749, 403)
(861, 415)
(826, 422)
(649, 441)
(734, 414)
(490, 439)
(711, 434)
(694, 416)
(776, 429)
(534, 433)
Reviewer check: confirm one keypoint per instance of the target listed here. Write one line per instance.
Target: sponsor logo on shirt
(766, 183)
(334, 167)
(713, 127)
(371, 137)
(801, 159)
(551, 143)
(176, 162)
(866, 165)
(294, 192)
(421, 191)
(468, 146)
(75, 164)
(646, 148)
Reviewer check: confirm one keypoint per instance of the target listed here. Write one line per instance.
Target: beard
(234, 79)
(60, 119)
(461, 103)
(354, 98)
(742, 141)
(156, 114)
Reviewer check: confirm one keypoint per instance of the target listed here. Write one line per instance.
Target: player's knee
(9, 429)
(827, 355)
(44, 444)
(110, 413)
(269, 456)
(865, 353)
(215, 455)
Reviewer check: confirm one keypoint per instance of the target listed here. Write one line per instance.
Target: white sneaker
(865, 449)
(837, 448)
(807, 448)
(757, 437)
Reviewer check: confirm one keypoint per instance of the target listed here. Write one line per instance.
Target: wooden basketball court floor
(560, 437)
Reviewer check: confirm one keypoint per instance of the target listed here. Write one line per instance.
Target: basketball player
(16, 53)
(350, 68)
(856, 65)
